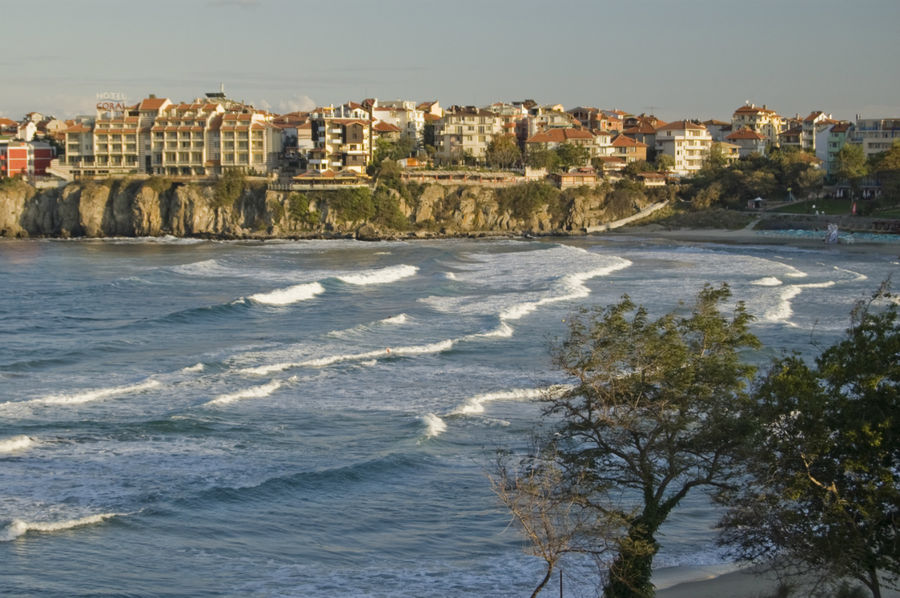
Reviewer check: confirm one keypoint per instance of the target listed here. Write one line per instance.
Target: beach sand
(727, 581)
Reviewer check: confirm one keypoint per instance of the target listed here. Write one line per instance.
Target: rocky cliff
(155, 207)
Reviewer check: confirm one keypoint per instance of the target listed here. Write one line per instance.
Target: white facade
(687, 143)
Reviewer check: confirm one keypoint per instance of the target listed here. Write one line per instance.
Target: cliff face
(154, 208)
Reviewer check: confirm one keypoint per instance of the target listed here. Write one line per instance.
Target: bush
(524, 200)
(298, 209)
(387, 210)
(228, 188)
(352, 205)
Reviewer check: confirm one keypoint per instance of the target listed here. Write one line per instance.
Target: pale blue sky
(678, 58)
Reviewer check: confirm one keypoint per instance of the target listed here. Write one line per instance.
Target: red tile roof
(745, 133)
(152, 103)
(680, 125)
(559, 136)
(383, 127)
(623, 141)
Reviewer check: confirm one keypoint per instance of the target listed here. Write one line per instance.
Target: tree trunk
(544, 581)
(629, 575)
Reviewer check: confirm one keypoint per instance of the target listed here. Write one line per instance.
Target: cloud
(295, 103)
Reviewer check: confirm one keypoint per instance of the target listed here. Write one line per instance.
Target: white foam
(784, 310)
(257, 392)
(858, 277)
(18, 527)
(401, 319)
(197, 367)
(96, 394)
(434, 425)
(361, 357)
(290, 295)
(475, 405)
(449, 275)
(768, 281)
(15, 444)
(380, 276)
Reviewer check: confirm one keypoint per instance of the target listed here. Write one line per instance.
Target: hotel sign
(111, 101)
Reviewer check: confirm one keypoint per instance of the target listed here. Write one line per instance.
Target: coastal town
(504, 142)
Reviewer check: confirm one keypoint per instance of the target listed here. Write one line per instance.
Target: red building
(24, 158)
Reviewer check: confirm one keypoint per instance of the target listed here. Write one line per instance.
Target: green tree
(664, 162)
(821, 489)
(542, 158)
(632, 169)
(392, 150)
(503, 152)
(655, 412)
(571, 155)
(228, 188)
(886, 166)
(852, 166)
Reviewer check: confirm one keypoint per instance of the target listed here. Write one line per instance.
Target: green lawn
(832, 207)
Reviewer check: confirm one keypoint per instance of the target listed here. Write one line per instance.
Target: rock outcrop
(155, 207)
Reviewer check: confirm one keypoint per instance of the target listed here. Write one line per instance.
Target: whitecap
(768, 281)
(290, 295)
(784, 310)
(95, 394)
(15, 444)
(257, 392)
(380, 276)
(18, 527)
(197, 367)
(475, 405)
(434, 425)
(400, 319)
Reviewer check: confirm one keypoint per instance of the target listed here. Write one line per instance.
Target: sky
(674, 58)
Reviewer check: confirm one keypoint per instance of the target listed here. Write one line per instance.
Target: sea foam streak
(784, 310)
(363, 357)
(18, 527)
(290, 295)
(381, 276)
(15, 443)
(256, 392)
(434, 425)
(768, 281)
(95, 395)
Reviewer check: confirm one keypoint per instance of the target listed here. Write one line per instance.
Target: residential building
(748, 142)
(628, 149)
(718, 129)
(729, 151)
(686, 142)
(541, 118)
(838, 135)
(643, 132)
(342, 138)
(24, 158)
(875, 135)
(405, 115)
(760, 119)
(465, 131)
(553, 138)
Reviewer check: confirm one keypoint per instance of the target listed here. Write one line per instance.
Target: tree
(571, 154)
(551, 521)
(822, 478)
(851, 166)
(655, 412)
(886, 166)
(503, 152)
(542, 158)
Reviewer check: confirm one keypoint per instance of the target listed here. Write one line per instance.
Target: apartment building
(686, 142)
(405, 115)
(838, 135)
(629, 149)
(155, 136)
(875, 135)
(465, 131)
(553, 138)
(342, 138)
(760, 119)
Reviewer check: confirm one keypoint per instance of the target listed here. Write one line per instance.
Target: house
(643, 132)
(686, 142)
(838, 135)
(748, 142)
(628, 149)
(575, 178)
(541, 118)
(386, 131)
(760, 119)
(718, 129)
(26, 130)
(553, 138)
(729, 151)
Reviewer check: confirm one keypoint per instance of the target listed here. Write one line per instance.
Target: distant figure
(831, 237)
(388, 349)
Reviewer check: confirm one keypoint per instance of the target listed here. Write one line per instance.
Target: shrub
(228, 188)
(524, 200)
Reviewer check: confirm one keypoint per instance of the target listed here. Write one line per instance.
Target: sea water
(316, 418)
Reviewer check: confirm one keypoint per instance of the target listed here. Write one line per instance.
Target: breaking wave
(94, 395)
(17, 527)
(256, 392)
(380, 276)
(434, 425)
(15, 443)
(290, 295)
(475, 405)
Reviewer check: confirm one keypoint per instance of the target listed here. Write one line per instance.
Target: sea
(184, 417)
